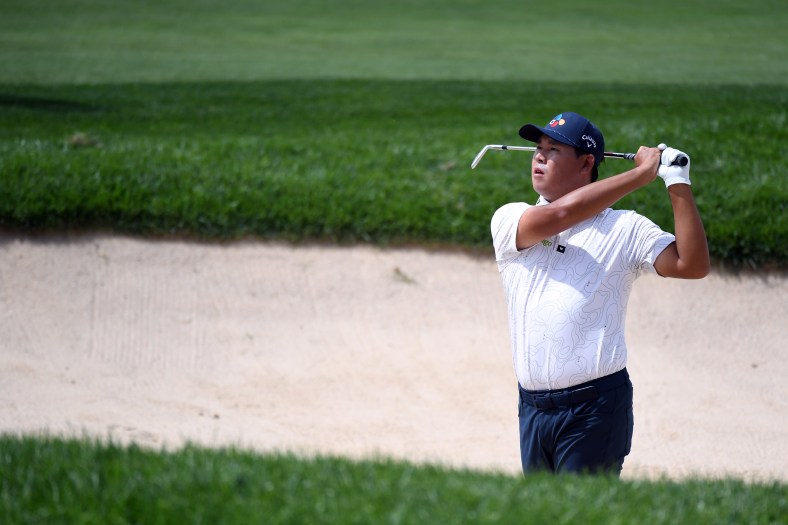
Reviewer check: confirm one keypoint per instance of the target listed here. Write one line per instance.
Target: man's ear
(588, 165)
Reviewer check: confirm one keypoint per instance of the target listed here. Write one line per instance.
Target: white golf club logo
(589, 141)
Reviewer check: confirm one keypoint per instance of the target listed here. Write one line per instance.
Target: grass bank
(357, 122)
(370, 161)
(69, 481)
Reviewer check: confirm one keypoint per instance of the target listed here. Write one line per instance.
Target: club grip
(680, 160)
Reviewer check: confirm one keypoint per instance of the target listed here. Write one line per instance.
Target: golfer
(567, 264)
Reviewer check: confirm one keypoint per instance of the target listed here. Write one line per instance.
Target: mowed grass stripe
(95, 41)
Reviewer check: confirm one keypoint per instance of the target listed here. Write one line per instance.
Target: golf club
(681, 160)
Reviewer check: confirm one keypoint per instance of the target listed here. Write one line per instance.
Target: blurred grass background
(123, 41)
(356, 121)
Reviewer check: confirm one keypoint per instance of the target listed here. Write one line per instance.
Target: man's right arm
(540, 222)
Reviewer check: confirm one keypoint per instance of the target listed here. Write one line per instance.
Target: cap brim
(532, 133)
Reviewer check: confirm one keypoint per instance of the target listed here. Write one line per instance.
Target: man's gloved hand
(668, 172)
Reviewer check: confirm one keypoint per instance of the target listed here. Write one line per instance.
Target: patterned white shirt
(567, 295)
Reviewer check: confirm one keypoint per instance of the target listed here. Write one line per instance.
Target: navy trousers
(583, 429)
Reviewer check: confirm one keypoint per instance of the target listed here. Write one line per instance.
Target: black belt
(567, 397)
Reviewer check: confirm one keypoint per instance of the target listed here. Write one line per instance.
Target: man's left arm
(688, 256)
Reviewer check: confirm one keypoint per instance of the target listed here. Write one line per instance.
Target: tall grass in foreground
(370, 161)
(48, 480)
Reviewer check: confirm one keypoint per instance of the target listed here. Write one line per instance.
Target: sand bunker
(361, 352)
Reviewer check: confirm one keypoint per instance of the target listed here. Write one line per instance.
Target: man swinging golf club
(567, 265)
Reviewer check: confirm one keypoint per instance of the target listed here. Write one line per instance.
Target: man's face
(556, 169)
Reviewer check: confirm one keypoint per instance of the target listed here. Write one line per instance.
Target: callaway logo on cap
(572, 129)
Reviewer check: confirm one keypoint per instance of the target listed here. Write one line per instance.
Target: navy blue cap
(572, 129)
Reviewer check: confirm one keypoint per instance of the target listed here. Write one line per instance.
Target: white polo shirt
(567, 295)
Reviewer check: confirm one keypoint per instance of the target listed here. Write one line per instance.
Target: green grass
(356, 121)
(369, 161)
(122, 41)
(49, 480)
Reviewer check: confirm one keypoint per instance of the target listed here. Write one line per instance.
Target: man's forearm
(691, 244)
(540, 222)
(591, 199)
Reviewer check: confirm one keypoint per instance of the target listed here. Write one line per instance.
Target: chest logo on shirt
(560, 248)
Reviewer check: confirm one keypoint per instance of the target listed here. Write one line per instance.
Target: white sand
(361, 352)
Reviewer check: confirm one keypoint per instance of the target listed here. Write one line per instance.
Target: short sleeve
(504, 229)
(647, 241)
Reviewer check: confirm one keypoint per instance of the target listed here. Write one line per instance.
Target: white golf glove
(668, 172)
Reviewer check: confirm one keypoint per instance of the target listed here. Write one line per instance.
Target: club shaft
(608, 154)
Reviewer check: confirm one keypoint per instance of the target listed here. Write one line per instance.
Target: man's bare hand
(647, 160)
